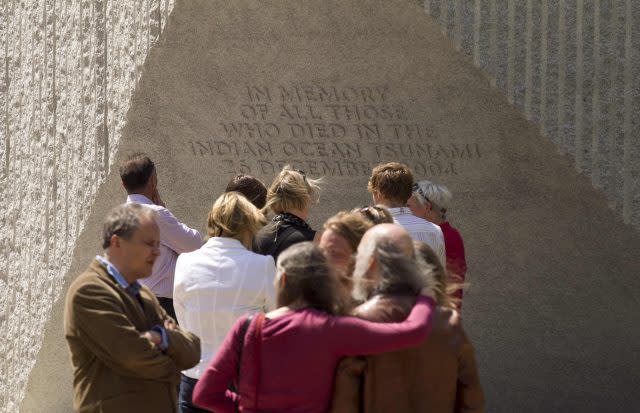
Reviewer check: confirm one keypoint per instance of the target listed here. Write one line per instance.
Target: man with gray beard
(438, 376)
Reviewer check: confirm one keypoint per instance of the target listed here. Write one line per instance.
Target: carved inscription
(328, 130)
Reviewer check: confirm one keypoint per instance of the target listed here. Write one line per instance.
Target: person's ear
(283, 279)
(371, 265)
(428, 206)
(154, 181)
(114, 241)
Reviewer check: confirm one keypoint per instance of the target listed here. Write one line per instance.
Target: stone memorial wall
(336, 87)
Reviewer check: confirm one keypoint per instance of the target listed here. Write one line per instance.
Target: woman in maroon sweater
(289, 356)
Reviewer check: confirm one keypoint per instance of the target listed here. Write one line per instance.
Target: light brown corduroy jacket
(114, 368)
(439, 376)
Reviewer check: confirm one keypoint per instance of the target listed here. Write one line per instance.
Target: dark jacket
(114, 368)
(439, 376)
(280, 234)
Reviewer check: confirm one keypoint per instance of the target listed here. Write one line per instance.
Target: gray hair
(399, 274)
(123, 221)
(437, 195)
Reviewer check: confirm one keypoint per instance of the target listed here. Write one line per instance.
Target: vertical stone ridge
(562, 67)
(493, 41)
(477, 22)
(4, 96)
(529, 60)
(630, 154)
(544, 58)
(511, 46)
(427, 6)
(616, 89)
(444, 16)
(598, 167)
(581, 149)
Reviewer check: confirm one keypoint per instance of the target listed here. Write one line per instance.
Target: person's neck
(146, 193)
(299, 213)
(121, 267)
(280, 311)
(391, 204)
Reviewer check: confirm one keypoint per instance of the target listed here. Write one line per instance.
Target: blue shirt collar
(133, 288)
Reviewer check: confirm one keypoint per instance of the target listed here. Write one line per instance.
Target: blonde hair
(350, 226)
(234, 216)
(292, 190)
(376, 214)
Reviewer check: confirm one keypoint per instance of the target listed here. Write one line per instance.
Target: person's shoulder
(88, 278)
(186, 258)
(451, 230)
(259, 259)
(89, 285)
(429, 225)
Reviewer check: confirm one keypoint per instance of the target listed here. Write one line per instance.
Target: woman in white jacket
(219, 282)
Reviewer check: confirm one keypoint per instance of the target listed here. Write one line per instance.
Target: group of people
(362, 316)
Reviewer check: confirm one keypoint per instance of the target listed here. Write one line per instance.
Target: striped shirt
(175, 238)
(214, 286)
(421, 230)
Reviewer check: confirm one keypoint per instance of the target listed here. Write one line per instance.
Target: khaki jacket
(439, 376)
(114, 368)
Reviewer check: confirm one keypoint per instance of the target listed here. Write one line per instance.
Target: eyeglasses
(416, 188)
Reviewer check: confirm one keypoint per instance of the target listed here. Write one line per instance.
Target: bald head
(392, 233)
(385, 262)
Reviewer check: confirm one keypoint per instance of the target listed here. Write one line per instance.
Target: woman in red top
(289, 356)
(430, 201)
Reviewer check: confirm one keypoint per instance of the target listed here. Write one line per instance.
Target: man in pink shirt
(139, 178)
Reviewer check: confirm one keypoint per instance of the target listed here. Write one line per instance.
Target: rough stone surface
(553, 308)
(573, 68)
(67, 71)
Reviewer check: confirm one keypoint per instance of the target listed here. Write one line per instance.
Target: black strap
(235, 387)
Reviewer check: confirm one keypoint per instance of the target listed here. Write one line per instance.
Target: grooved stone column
(67, 71)
(573, 68)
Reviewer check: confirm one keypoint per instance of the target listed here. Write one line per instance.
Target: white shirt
(217, 284)
(421, 230)
(175, 238)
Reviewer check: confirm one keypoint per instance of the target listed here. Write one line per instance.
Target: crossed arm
(107, 332)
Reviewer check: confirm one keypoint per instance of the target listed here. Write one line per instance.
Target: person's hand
(155, 198)
(153, 336)
(169, 324)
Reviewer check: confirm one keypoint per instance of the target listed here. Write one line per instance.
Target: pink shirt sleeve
(211, 391)
(350, 336)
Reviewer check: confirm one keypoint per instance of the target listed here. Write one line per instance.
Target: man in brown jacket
(127, 353)
(439, 376)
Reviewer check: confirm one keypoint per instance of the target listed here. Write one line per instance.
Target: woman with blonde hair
(219, 282)
(289, 197)
(339, 242)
